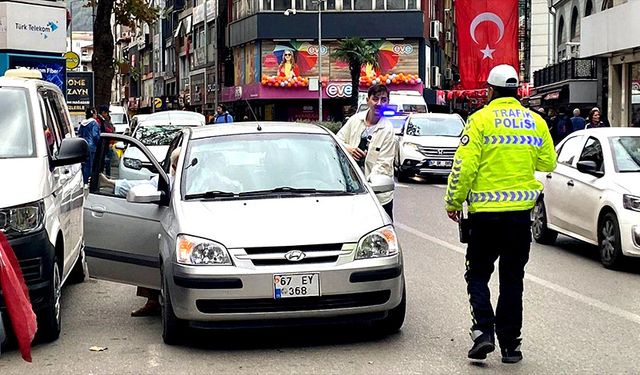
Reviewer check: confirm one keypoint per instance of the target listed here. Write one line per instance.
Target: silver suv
(263, 222)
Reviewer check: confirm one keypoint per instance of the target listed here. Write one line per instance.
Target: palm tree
(356, 52)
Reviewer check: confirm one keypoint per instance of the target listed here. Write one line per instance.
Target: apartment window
(588, 8)
(266, 4)
(575, 25)
(281, 4)
(561, 37)
(396, 4)
(362, 4)
(635, 94)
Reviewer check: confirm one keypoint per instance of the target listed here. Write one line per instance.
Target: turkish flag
(487, 36)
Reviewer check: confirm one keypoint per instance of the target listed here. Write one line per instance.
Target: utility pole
(206, 56)
(320, 4)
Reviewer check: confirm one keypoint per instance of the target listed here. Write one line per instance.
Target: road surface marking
(402, 185)
(542, 282)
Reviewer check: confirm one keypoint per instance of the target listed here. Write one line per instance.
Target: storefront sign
(73, 60)
(80, 91)
(27, 27)
(339, 90)
(52, 68)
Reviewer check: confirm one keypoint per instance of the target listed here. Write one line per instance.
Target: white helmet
(503, 76)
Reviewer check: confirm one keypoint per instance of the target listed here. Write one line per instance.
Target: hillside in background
(82, 16)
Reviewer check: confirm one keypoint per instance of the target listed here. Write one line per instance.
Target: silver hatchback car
(259, 223)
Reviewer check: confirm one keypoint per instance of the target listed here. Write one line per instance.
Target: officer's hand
(356, 153)
(454, 215)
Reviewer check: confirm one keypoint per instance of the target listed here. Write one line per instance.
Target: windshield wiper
(211, 195)
(292, 190)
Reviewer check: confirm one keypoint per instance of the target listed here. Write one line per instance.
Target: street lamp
(319, 3)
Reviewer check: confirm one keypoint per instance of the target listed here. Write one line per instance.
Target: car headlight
(201, 252)
(631, 202)
(380, 243)
(22, 219)
(411, 146)
(132, 163)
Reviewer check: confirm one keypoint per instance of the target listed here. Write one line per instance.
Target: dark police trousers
(507, 236)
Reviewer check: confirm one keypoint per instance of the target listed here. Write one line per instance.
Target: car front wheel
(609, 244)
(49, 318)
(541, 233)
(172, 326)
(395, 317)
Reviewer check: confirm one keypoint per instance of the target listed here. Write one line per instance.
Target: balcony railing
(566, 70)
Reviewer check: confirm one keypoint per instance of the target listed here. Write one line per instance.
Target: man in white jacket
(370, 139)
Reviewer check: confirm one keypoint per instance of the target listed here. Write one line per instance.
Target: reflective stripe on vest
(505, 196)
(513, 140)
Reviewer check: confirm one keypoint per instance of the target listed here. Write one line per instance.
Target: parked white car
(426, 144)
(265, 223)
(156, 132)
(594, 195)
(41, 194)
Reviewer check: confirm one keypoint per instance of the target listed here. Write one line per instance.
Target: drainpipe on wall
(553, 48)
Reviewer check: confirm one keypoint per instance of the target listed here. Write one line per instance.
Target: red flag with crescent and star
(487, 36)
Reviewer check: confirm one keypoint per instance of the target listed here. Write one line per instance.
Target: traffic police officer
(501, 147)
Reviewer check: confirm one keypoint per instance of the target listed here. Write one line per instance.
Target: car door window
(60, 111)
(592, 151)
(569, 150)
(51, 130)
(131, 169)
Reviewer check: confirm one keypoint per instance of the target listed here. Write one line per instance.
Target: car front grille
(340, 301)
(276, 256)
(438, 152)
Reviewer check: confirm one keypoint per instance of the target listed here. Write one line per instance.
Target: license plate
(440, 163)
(298, 285)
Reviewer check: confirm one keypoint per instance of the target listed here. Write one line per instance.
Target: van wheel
(50, 317)
(609, 242)
(79, 271)
(395, 317)
(172, 326)
(541, 233)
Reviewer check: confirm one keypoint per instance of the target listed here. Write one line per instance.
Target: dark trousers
(504, 235)
(389, 209)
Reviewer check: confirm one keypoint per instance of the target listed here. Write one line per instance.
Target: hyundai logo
(295, 255)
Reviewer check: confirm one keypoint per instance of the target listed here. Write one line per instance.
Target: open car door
(121, 238)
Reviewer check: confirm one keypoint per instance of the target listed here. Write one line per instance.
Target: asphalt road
(579, 318)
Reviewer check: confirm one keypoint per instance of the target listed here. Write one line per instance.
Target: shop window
(635, 94)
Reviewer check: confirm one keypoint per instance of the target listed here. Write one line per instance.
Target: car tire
(79, 271)
(394, 320)
(172, 326)
(609, 242)
(50, 317)
(541, 233)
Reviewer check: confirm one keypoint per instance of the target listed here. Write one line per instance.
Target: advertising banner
(80, 91)
(27, 27)
(52, 68)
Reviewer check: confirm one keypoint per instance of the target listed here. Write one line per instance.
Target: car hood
(432, 141)
(281, 221)
(628, 182)
(23, 181)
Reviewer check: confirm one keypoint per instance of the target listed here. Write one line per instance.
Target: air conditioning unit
(448, 74)
(435, 76)
(434, 32)
(448, 36)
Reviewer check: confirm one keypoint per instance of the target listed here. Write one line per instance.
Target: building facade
(614, 36)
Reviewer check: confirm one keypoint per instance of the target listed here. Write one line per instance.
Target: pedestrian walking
(370, 139)
(577, 122)
(502, 146)
(89, 130)
(594, 120)
(222, 115)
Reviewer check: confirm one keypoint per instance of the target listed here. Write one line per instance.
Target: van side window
(58, 112)
(52, 135)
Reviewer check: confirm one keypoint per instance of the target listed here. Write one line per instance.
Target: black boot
(483, 344)
(511, 353)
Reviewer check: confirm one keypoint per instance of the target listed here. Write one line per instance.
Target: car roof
(176, 116)
(435, 115)
(251, 127)
(609, 131)
(143, 122)
(25, 82)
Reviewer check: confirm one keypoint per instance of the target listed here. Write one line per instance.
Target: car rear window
(15, 124)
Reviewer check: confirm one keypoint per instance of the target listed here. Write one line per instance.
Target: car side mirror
(589, 167)
(72, 151)
(144, 193)
(381, 183)
(120, 145)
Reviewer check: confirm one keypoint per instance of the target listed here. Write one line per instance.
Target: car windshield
(626, 153)
(435, 126)
(15, 124)
(266, 165)
(117, 118)
(156, 135)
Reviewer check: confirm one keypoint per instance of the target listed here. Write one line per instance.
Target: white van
(42, 193)
(407, 101)
(119, 118)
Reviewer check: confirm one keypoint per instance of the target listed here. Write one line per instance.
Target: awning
(176, 33)
(553, 95)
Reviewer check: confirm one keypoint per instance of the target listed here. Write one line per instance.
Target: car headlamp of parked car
(631, 202)
(22, 219)
(411, 146)
(201, 252)
(380, 243)
(132, 163)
